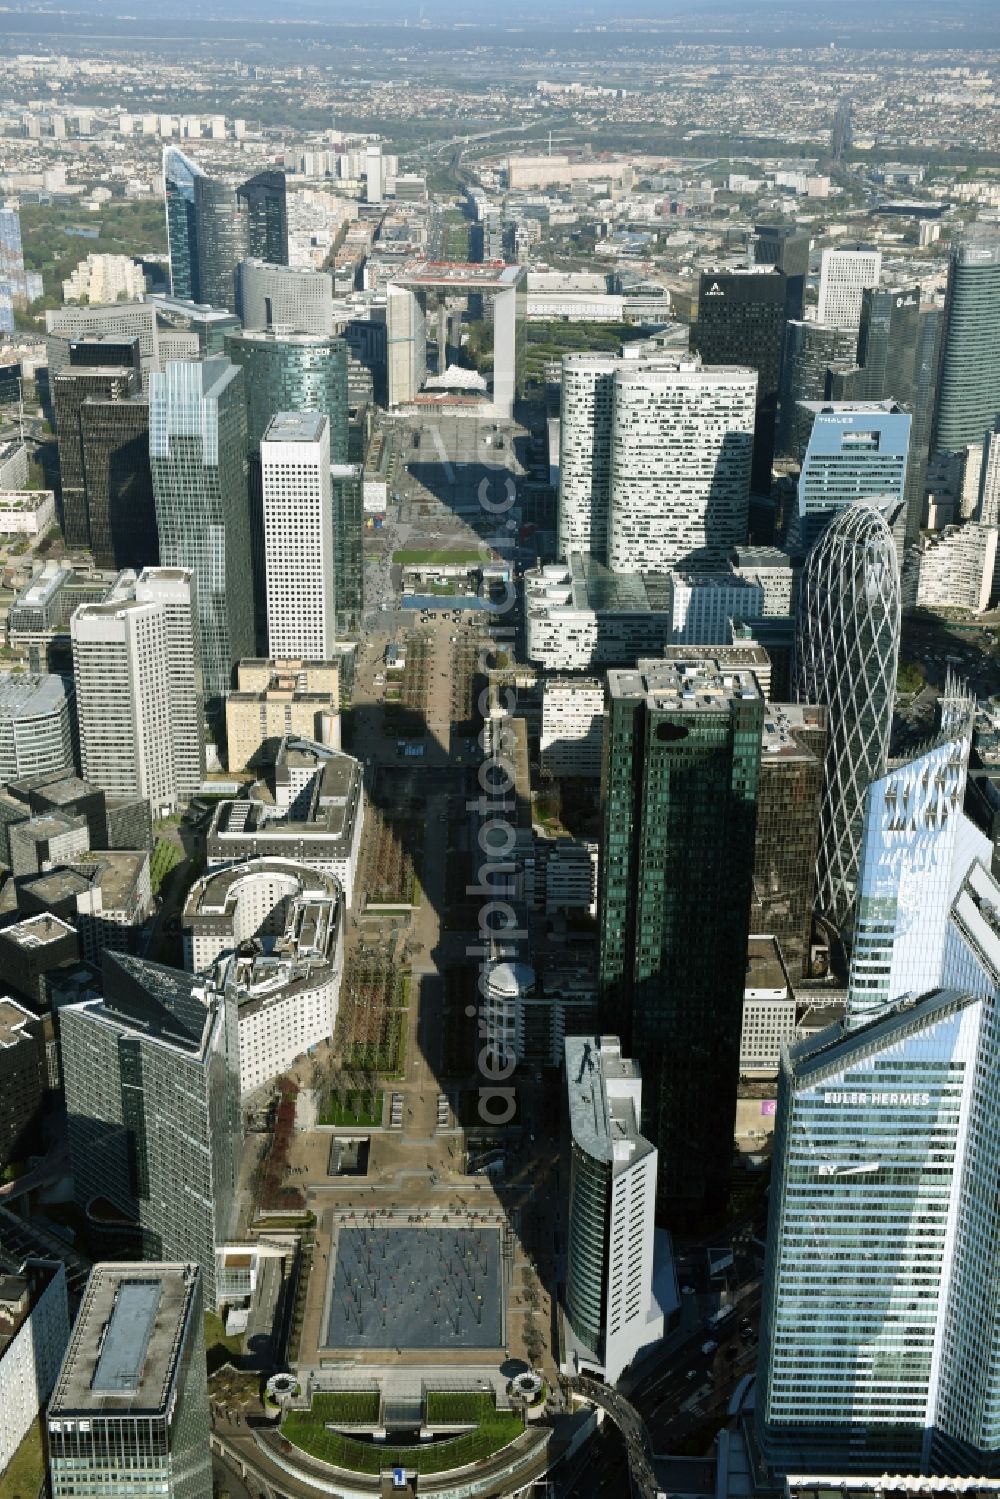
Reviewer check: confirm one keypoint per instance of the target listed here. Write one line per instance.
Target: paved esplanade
(416, 1288)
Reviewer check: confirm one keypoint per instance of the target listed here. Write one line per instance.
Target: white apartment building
(228, 907)
(611, 1311)
(123, 701)
(681, 444)
(572, 726)
(101, 279)
(957, 568)
(175, 589)
(34, 1332)
(844, 276)
(298, 536)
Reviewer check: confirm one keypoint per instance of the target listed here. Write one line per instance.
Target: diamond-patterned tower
(846, 653)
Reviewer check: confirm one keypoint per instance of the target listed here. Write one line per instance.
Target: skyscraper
(286, 299)
(968, 394)
(846, 651)
(741, 321)
(197, 444)
(683, 744)
(586, 405)
(610, 1305)
(122, 701)
(843, 276)
(222, 239)
(787, 247)
(857, 450)
(70, 390)
(179, 176)
(129, 1413)
(151, 1075)
(175, 590)
(13, 281)
(118, 481)
(267, 216)
(681, 448)
(298, 536)
(304, 372)
(911, 823)
(812, 352)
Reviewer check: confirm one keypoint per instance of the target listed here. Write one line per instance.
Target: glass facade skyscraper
(679, 787)
(846, 653)
(305, 372)
(880, 1331)
(152, 1092)
(13, 281)
(71, 390)
(741, 321)
(129, 1414)
(267, 216)
(222, 240)
(857, 450)
(812, 352)
(968, 395)
(121, 514)
(197, 445)
(179, 176)
(911, 824)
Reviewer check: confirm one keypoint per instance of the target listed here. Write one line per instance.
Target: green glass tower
(197, 448)
(968, 396)
(305, 372)
(682, 746)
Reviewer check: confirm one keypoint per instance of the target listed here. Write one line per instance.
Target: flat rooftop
(700, 684)
(295, 426)
(124, 1352)
(25, 695)
(604, 1090)
(38, 931)
(765, 969)
(492, 275)
(781, 723)
(13, 1020)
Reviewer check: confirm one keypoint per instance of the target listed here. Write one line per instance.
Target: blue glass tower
(179, 176)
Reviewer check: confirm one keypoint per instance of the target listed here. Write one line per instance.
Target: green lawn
(435, 557)
(220, 1349)
(352, 1407)
(166, 856)
(358, 1110)
(308, 1430)
(22, 1477)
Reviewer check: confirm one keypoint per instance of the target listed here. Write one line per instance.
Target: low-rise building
(565, 874)
(22, 1076)
(31, 954)
(13, 465)
(47, 839)
(768, 1010)
(34, 1331)
(26, 512)
(313, 816)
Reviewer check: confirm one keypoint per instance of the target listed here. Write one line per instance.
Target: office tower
(118, 482)
(69, 391)
(23, 1081)
(586, 404)
(180, 174)
(267, 216)
(988, 509)
(129, 1413)
(285, 299)
(889, 368)
(812, 352)
(106, 350)
(679, 790)
(741, 322)
(911, 824)
(347, 485)
(789, 790)
(298, 536)
(841, 135)
(373, 172)
(157, 1052)
(13, 281)
(843, 276)
(857, 450)
(36, 725)
(610, 1306)
(300, 372)
(122, 700)
(34, 1331)
(208, 325)
(681, 447)
(175, 590)
(197, 444)
(846, 651)
(787, 247)
(968, 394)
(221, 241)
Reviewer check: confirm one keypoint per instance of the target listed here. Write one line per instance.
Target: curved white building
(229, 907)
